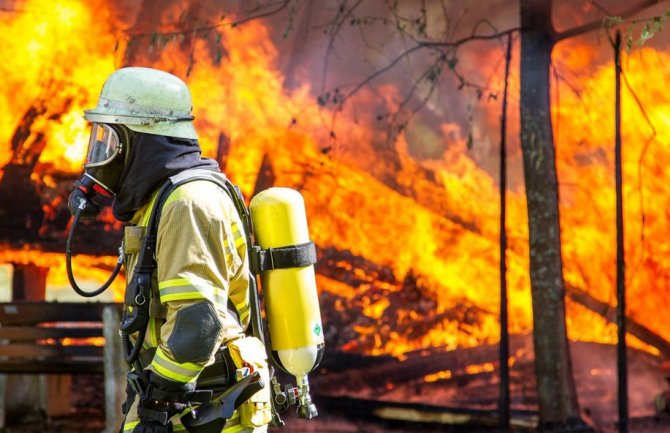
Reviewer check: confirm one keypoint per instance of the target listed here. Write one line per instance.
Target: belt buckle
(136, 382)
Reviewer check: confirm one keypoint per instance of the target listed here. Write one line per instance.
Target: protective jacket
(200, 288)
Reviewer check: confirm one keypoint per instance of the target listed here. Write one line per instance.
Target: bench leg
(3, 381)
(115, 370)
(59, 395)
(24, 398)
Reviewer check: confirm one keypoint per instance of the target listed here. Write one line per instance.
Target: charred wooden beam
(336, 361)
(344, 266)
(378, 373)
(20, 199)
(20, 204)
(266, 176)
(26, 151)
(424, 414)
(222, 151)
(608, 312)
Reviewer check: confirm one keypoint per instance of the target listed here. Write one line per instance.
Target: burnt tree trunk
(556, 387)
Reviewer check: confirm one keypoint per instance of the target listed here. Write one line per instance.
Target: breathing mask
(105, 159)
(104, 162)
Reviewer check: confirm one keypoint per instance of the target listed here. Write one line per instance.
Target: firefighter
(186, 339)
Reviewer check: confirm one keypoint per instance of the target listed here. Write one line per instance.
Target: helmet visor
(103, 146)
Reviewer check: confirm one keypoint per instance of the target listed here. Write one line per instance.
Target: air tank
(291, 300)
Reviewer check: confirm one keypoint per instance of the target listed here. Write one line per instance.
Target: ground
(388, 395)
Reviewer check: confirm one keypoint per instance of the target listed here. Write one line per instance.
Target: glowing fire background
(412, 221)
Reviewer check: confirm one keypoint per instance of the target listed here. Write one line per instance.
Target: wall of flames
(430, 234)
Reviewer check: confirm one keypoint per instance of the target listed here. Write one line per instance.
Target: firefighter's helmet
(145, 100)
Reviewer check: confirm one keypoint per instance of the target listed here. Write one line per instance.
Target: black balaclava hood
(151, 160)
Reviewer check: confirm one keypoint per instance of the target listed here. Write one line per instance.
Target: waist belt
(220, 374)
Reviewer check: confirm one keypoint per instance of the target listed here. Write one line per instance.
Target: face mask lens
(103, 145)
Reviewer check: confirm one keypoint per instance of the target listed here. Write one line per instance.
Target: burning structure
(395, 158)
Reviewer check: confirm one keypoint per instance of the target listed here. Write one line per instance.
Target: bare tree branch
(444, 58)
(645, 147)
(195, 29)
(447, 20)
(601, 8)
(386, 68)
(337, 23)
(430, 74)
(473, 37)
(595, 25)
(265, 14)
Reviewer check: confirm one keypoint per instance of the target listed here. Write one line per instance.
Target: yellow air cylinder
(291, 300)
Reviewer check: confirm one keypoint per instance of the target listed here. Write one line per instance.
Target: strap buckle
(136, 382)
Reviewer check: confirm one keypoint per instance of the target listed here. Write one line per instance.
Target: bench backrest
(51, 337)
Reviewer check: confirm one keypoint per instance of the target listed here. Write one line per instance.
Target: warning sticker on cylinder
(316, 329)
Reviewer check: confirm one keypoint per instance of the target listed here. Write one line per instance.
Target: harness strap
(292, 256)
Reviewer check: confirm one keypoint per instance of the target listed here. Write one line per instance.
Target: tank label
(316, 329)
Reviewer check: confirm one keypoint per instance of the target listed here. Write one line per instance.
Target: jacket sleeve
(196, 258)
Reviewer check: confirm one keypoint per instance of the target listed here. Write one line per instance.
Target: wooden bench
(64, 338)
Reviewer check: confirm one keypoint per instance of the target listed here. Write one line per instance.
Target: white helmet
(146, 100)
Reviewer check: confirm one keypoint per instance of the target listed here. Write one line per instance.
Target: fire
(52, 66)
(90, 271)
(91, 341)
(585, 149)
(409, 249)
(486, 367)
(471, 369)
(440, 375)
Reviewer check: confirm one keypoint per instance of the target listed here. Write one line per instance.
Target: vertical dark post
(115, 369)
(29, 283)
(504, 398)
(222, 151)
(620, 260)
